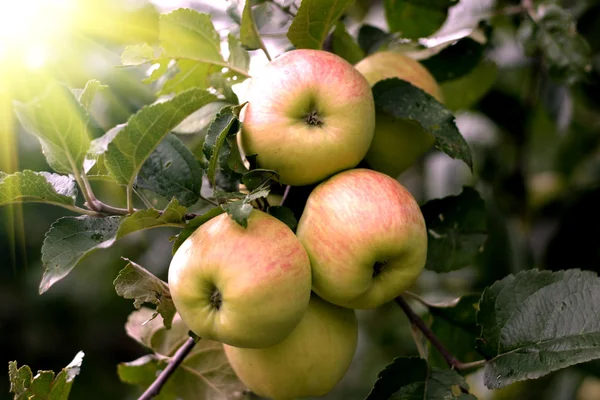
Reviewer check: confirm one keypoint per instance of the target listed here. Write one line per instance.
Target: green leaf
(249, 35)
(238, 56)
(285, 215)
(313, 22)
(145, 130)
(400, 99)
(456, 60)
(195, 224)
(204, 374)
(172, 215)
(456, 230)
(69, 239)
(414, 20)
(225, 124)
(536, 322)
(239, 211)
(344, 45)
(258, 178)
(408, 378)
(198, 122)
(186, 33)
(554, 33)
(137, 283)
(172, 171)
(455, 325)
(466, 91)
(86, 95)
(43, 385)
(137, 54)
(39, 187)
(191, 74)
(371, 38)
(62, 126)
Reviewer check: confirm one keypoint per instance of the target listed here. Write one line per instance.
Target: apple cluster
(282, 303)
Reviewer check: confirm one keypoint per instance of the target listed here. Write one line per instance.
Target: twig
(176, 360)
(130, 199)
(286, 192)
(143, 197)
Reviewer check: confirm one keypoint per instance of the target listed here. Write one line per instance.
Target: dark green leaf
(401, 372)
(145, 130)
(62, 126)
(259, 177)
(248, 32)
(135, 282)
(456, 60)
(39, 187)
(414, 20)
(313, 22)
(285, 215)
(344, 45)
(400, 99)
(240, 211)
(195, 224)
(172, 215)
(456, 230)
(172, 171)
(536, 322)
(371, 38)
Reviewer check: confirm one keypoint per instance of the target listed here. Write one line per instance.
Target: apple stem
(419, 323)
(154, 389)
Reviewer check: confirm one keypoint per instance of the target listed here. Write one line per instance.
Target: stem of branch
(176, 360)
(286, 192)
(130, 199)
(86, 190)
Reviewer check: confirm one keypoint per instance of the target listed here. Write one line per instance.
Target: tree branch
(176, 360)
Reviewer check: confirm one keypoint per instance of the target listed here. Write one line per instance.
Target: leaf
(199, 121)
(195, 224)
(313, 21)
(85, 96)
(239, 211)
(43, 385)
(69, 239)
(144, 131)
(249, 35)
(536, 322)
(172, 215)
(259, 177)
(456, 230)
(400, 99)
(39, 187)
(344, 45)
(415, 19)
(285, 215)
(456, 60)
(408, 378)
(191, 74)
(238, 56)
(371, 38)
(137, 54)
(554, 33)
(225, 124)
(172, 171)
(205, 373)
(61, 124)
(455, 325)
(135, 282)
(186, 33)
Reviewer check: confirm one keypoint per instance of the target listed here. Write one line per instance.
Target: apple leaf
(285, 215)
(172, 171)
(456, 230)
(371, 38)
(132, 145)
(137, 283)
(198, 121)
(464, 92)
(455, 325)
(238, 56)
(401, 99)
(137, 54)
(313, 22)
(205, 373)
(194, 224)
(553, 32)
(409, 378)
(61, 124)
(416, 19)
(173, 215)
(39, 187)
(69, 239)
(536, 322)
(216, 148)
(239, 211)
(456, 60)
(259, 177)
(87, 94)
(249, 35)
(190, 74)
(344, 45)
(44, 385)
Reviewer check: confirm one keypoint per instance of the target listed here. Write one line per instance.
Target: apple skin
(245, 287)
(309, 362)
(365, 236)
(309, 115)
(397, 144)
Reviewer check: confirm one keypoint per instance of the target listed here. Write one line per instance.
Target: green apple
(309, 115)
(248, 287)
(307, 363)
(397, 144)
(365, 236)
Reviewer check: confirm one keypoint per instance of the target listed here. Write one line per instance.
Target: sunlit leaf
(172, 215)
(38, 187)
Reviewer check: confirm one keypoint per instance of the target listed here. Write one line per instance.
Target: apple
(248, 287)
(365, 236)
(397, 144)
(309, 362)
(309, 115)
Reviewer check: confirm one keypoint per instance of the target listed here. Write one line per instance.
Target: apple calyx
(378, 267)
(312, 118)
(216, 299)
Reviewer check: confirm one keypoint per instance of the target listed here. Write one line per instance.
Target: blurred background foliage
(535, 141)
